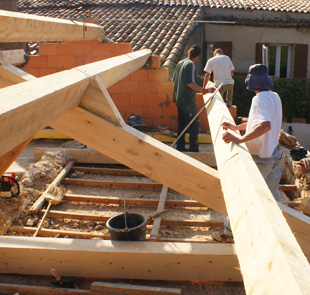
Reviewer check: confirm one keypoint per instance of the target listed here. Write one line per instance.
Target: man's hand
(208, 90)
(227, 125)
(228, 137)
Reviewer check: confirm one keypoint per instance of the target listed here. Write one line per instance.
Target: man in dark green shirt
(184, 96)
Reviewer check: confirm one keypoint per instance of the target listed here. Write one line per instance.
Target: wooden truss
(77, 103)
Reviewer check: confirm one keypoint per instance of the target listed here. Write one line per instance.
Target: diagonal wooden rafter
(15, 27)
(271, 260)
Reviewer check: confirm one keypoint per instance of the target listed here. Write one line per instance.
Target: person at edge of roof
(184, 96)
(262, 130)
(223, 70)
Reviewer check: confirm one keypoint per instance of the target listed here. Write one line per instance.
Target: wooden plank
(91, 156)
(13, 75)
(41, 290)
(15, 28)
(287, 187)
(119, 288)
(56, 182)
(14, 56)
(271, 260)
(119, 259)
(137, 202)
(110, 171)
(157, 219)
(103, 183)
(38, 102)
(145, 155)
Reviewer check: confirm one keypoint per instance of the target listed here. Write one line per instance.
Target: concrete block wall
(146, 92)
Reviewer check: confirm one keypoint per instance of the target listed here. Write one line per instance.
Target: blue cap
(258, 78)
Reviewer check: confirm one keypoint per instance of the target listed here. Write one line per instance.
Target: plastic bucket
(135, 231)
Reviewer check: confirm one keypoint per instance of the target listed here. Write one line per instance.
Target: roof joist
(20, 27)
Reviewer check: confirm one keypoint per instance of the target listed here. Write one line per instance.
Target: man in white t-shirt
(261, 136)
(263, 127)
(223, 70)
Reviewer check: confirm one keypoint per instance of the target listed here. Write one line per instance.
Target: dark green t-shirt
(184, 74)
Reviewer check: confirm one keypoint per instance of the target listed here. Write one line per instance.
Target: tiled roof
(164, 26)
(302, 6)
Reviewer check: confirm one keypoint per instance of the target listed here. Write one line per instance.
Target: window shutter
(226, 46)
(300, 61)
(259, 53)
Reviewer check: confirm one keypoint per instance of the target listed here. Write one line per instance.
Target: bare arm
(206, 79)
(232, 73)
(227, 125)
(259, 129)
(196, 87)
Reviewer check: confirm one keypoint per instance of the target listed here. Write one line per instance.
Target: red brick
(140, 75)
(121, 99)
(38, 61)
(164, 88)
(170, 112)
(125, 79)
(64, 49)
(160, 75)
(33, 71)
(148, 122)
(233, 111)
(204, 125)
(155, 62)
(102, 49)
(113, 49)
(203, 114)
(133, 110)
(139, 99)
(48, 71)
(90, 59)
(147, 87)
(158, 100)
(124, 48)
(84, 49)
(129, 87)
(153, 112)
(56, 61)
(115, 88)
(79, 61)
(70, 62)
(48, 49)
(160, 121)
(174, 123)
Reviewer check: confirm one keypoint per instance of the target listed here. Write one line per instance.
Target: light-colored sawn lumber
(39, 102)
(21, 27)
(271, 260)
(119, 259)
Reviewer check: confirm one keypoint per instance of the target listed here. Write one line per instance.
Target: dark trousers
(185, 115)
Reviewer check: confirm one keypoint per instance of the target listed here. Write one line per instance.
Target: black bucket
(135, 231)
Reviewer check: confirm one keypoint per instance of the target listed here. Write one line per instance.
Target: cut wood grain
(110, 171)
(127, 289)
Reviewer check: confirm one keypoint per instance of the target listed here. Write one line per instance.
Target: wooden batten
(271, 260)
(117, 259)
(15, 27)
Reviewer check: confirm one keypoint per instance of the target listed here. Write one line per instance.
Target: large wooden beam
(39, 102)
(21, 27)
(271, 260)
(117, 259)
(146, 155)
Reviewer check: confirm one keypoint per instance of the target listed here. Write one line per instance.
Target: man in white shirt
(223, 70)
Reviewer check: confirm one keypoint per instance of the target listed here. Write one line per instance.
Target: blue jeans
(271, 170)
(185, 115)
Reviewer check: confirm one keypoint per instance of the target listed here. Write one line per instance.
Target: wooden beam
(271, 260)
(39, 102)
(14, 57)
(16, 28)
(119, 259)
(117, 288)
(91, 156)
(145, 155)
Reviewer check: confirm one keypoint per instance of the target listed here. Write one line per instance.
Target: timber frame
(271, 240)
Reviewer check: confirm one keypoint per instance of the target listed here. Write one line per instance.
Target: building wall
(244, 39)
(146, 92)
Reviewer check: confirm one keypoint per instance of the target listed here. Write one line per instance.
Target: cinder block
(160, 75)
(139, 75)
(56, 61)
(138, 99)
(164, 88)
(129, 87)
(159, 100)
(37, 61)
(48, 49)
(147, 87)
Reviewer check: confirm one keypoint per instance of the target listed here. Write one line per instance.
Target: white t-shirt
(266, 106)
(221, 66)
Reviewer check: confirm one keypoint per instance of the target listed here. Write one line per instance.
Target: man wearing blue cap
(262, 133)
